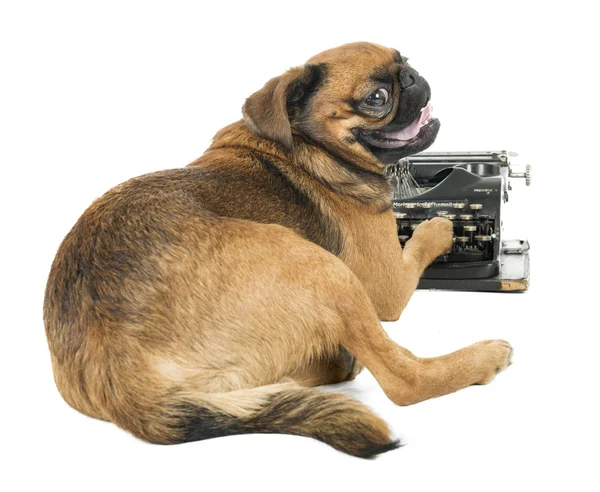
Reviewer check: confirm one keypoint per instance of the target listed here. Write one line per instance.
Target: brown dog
(208, 301)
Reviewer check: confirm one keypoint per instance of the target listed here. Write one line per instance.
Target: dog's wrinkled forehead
(357, 54)
(357, 63)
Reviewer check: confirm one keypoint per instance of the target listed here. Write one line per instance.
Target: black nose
(406, 78)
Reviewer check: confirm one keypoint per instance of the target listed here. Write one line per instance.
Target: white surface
(91, 96)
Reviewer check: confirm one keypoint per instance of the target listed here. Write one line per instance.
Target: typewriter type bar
(469, 189)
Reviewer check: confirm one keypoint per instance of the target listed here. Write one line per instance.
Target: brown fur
(207, 301)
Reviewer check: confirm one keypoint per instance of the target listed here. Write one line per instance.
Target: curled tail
(335, 419)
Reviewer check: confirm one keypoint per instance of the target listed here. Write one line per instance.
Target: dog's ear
(267, 113)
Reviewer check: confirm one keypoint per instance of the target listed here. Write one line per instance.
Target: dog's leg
(406, 378)
(430, 239)
(389, 273)
(333, 369)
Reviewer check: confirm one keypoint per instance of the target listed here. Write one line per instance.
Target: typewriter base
(513, 276)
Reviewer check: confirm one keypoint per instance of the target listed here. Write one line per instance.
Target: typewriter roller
(469, 189)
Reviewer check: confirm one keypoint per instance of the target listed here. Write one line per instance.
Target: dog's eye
(377, 98)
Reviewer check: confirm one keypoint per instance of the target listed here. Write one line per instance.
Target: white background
(95, 93)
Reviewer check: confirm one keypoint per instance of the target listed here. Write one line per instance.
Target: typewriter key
(483, 239)
(403, 238)
(470, 229)
(458, 205)
(465, 217)
(460, 242)
(441, 213)
(476, 207)
(400, 215)
(414, 226)
(450, 216)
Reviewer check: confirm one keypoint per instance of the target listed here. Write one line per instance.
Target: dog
(212, 299)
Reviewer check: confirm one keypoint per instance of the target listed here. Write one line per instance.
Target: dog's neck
(342, 177)
(312, 161)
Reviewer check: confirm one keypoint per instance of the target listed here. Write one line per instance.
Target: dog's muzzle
(389, 138)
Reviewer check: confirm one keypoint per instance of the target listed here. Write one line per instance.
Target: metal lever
(526, 174)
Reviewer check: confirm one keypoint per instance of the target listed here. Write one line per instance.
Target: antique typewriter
(468, 188)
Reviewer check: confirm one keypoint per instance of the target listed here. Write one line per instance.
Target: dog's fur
(210, 300)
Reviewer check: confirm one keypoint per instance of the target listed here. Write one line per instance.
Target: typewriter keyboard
(474, 232)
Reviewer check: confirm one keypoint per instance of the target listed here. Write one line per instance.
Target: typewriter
(468, 188)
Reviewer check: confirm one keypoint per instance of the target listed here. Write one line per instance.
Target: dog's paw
(491, 358)
(434, 236)
(356, 369)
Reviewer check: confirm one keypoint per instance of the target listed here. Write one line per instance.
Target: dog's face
(362, 102)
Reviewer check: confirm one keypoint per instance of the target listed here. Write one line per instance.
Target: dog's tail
(332, 418)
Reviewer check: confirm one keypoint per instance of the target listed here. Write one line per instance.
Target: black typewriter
(468, 188)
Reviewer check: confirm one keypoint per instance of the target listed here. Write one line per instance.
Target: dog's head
(362, 102)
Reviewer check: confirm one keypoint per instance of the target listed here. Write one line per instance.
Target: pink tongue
(413, 129)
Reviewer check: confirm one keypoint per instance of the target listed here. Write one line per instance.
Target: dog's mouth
(392, 138)
(393, 142)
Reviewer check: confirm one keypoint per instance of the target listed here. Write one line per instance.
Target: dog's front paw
(491, 357)
(435, 237)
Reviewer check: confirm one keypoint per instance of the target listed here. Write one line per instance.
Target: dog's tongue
(413, 129)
